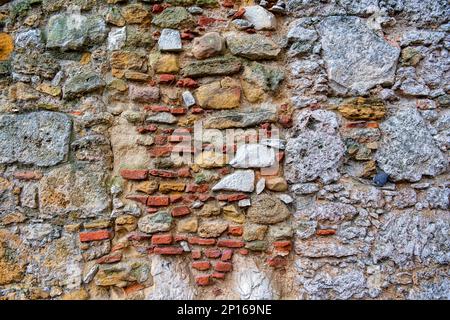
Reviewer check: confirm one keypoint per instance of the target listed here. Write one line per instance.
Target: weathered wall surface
(109, 191)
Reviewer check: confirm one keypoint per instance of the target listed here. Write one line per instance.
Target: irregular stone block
(407, 150)
(235, 119)
(253, 156)
(220, 66)
(260, 18)
(252, 46)
(357, 59)
(208, 45)
(37, 138)
(81, 83)
(242, 180)
(363, 109)
(266, 209)
(170, 40)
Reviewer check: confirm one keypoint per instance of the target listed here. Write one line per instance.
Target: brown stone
(276, 184)
(208, 45)
(224, 94)
(363, 109)
(135, 13)
(147, 187)
(211, 159)
(187, 225)
(6, 46)
(166, 187)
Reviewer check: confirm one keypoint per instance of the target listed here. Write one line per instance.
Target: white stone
(188, 99)
(242, 180)
(274, 143)
(253, 156)
(260, 18)
(285, 198)
(244, 203)
(117, 38)
(170, 40)
(260, 185)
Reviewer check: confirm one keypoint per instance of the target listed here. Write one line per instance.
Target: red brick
(213, 253)
(138, 198)
(110, 258)
(118, 246)
(277, 262)
(166, 78)
(168, 250)
(158, 201)
(325, 232)
(174, 198)
(133, 288)
(152, 210)
(226, 255)
(94, 235)
(28, 175)
(167, 130)
(179, 110)
(218, 275)
(180, 211)
(147, 128)
(235, 230)
(201, 241)
(196, 254)
(285, 120)
(162, 239)
(243, 252)
(157, 8)
(179, 138)
(228, 4)
(205, 197)
(161, 151)
(282, 244)
(163, 173)
(189, 198)
(202, 280)
(193, 187)
(180, 237)
(229, 243)
(197, 110)
(184, 173)
(137, 236)
(134, 174)
(201, 265)
(239, 14)
(231, 197)
(205, 21)
(160, 140)
(223, 266)
(187, 83)
(157, 108)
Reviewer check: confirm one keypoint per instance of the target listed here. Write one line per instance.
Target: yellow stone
(85, 58)
(224, 94)
(166, 187)
(22, 92)
(98, 224)
(147, 187)
(49, 89)
(211, 159)
(209, 209)
(13, 217)
(253, 93)
(6, 46)
(232, 214)
(166, 63)
(80, 294)
(276, 184)
(363, 109)
(187, 225)
(135, 13)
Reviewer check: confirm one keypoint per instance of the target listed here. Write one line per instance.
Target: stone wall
(209, 149)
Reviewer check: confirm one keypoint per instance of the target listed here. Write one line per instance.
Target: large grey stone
(38, 138)
(252, 46)
(408, 237)
(407, 150)
(242, 180)
(357, 59)
(73, 31)
(315, 149)
(74, 189)
(81, 83)
(239, 119)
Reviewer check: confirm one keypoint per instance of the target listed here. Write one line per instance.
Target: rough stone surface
(254, 47)
(356, 58)
(40, 138)
(407, 150)
(267, 210)
(253, 156)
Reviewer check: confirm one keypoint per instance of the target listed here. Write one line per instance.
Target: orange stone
(6, 46)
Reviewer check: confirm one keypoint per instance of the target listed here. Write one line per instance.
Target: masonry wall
(203, 149)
